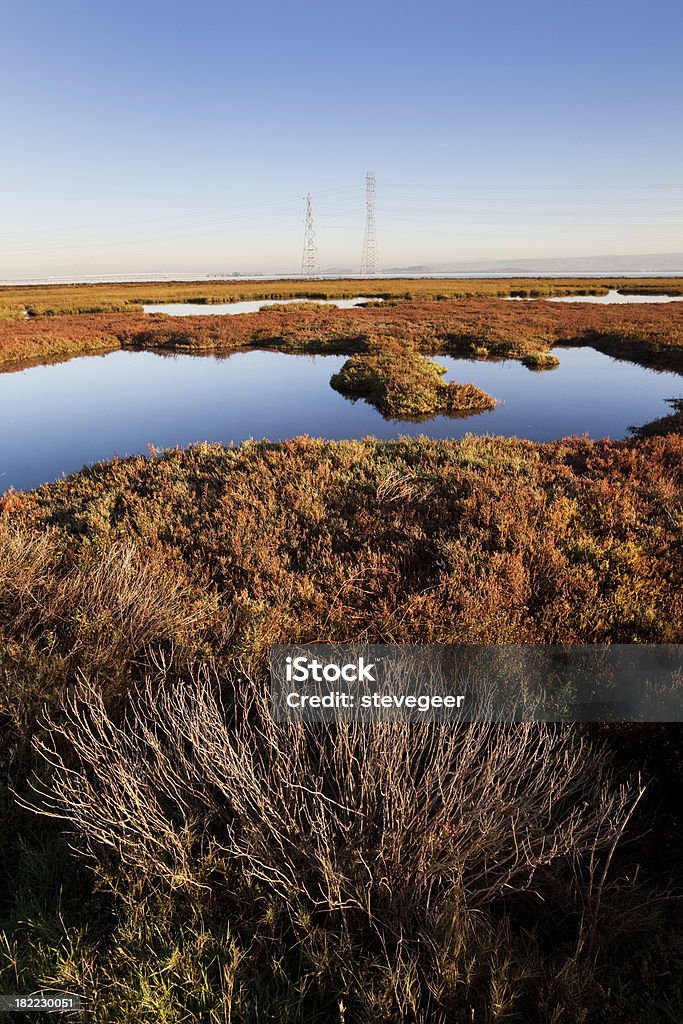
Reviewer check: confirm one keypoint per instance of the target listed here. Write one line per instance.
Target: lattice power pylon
(369, 264)
(310, 265)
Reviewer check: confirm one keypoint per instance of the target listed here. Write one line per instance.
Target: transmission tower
(369, 264)
(310, 267)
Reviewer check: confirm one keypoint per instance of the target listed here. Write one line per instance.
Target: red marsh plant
(476, 328)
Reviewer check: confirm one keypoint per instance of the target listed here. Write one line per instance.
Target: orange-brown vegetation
(41, 300)
(483, 540)
(478, 328)
(224, 843)
(671, 424)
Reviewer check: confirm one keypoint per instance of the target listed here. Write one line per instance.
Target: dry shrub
(391, 841)
(106, 606)
(27, 561)
(125, 600)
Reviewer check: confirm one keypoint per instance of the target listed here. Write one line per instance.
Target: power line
(530, 187)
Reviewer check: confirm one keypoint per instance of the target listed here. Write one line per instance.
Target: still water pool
(54, 419)
(233, 308)
(610, 298)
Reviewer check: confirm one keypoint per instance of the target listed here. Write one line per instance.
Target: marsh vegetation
(176, 855)
(403, 384)
(93, 408)
(51, 300)
(222, 878)
(651, 335)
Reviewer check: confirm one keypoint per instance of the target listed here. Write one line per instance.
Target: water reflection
(54, 419)
(612, 297)
(232, 308)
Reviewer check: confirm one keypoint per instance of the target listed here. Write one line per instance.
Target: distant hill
(641, 263)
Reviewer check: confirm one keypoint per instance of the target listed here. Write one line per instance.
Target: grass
(52, 300)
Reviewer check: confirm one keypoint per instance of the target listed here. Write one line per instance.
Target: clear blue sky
(168, 136)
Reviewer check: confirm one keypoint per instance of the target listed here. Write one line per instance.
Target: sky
(165, 137)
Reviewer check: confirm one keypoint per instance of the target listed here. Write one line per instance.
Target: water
(615, 297)
(199, 309)
(54, 419)
(612, 296)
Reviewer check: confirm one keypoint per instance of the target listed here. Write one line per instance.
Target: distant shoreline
(227, 278)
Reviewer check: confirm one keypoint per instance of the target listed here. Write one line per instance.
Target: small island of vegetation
(541, 361)
(401, 383)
